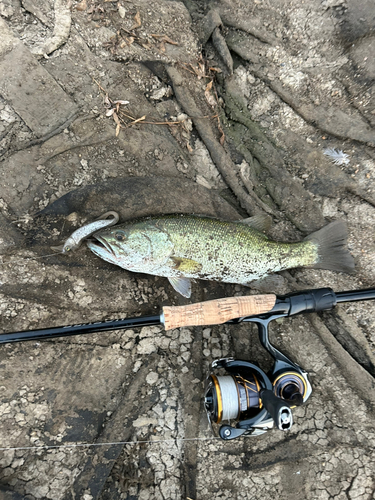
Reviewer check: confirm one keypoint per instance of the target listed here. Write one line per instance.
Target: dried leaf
(82, 5)
(202, 70)
(165, 39)
(121, 102)
(116, 118)
(118, 129)
(209, 97)
(107, 102)
(121, 11)
(110, 112)
(138, 22)
(173, 130)
(168, 40)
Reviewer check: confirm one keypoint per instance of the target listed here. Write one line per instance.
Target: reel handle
(278, 409)
(216, 312)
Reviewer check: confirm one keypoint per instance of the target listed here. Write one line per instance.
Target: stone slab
(29, 88)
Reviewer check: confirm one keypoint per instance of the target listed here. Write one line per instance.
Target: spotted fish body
(181, 247)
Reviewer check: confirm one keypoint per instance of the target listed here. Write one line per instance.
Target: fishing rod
(235, 390)
(213, 312)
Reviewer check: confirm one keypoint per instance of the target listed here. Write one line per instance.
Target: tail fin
(331, 242)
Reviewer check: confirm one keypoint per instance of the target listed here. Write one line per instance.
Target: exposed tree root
(249, 201)
(328, 119)
(287, 193)
(357, 377)
(61, 29)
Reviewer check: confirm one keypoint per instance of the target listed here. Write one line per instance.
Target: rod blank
(355, 295)
(82, 329)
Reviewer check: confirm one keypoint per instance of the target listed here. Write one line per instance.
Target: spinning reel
(240, 391)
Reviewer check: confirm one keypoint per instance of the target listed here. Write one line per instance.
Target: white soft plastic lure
(75, 239)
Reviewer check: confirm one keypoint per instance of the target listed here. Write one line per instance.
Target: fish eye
(120, 236)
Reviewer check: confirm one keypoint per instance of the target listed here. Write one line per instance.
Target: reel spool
(232, 397)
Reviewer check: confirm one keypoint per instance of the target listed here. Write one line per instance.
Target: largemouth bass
(182, 247)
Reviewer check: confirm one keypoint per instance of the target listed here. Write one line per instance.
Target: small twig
(186, 69)
(222, 137)
(197, 72)
(100, 87)
(127, 116)
(138, 120)
(162, 123)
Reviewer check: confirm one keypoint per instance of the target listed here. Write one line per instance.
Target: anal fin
(273, 283)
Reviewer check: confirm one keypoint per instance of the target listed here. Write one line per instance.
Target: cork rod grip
(216, 312)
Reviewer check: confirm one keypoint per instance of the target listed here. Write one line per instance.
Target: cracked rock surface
(230, 108)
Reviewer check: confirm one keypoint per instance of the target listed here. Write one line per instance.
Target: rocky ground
(230, 107)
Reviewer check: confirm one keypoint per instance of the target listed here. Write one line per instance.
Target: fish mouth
(100, 244)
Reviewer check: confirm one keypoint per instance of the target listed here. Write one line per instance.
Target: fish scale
(181, 247)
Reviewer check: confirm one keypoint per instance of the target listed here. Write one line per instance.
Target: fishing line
(28, 258)
(229, 397)
(49, 255)
(87, 445)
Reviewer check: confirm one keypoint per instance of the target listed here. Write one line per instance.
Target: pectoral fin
(186, 265)
(182, 286)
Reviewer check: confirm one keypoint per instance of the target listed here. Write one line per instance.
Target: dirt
(289, 81)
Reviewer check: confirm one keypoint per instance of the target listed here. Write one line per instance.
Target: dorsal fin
(260, 222)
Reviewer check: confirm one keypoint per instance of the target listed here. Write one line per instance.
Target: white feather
(338, 157)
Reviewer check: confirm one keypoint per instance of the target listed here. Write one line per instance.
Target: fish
(182, 247)
(79, 235)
